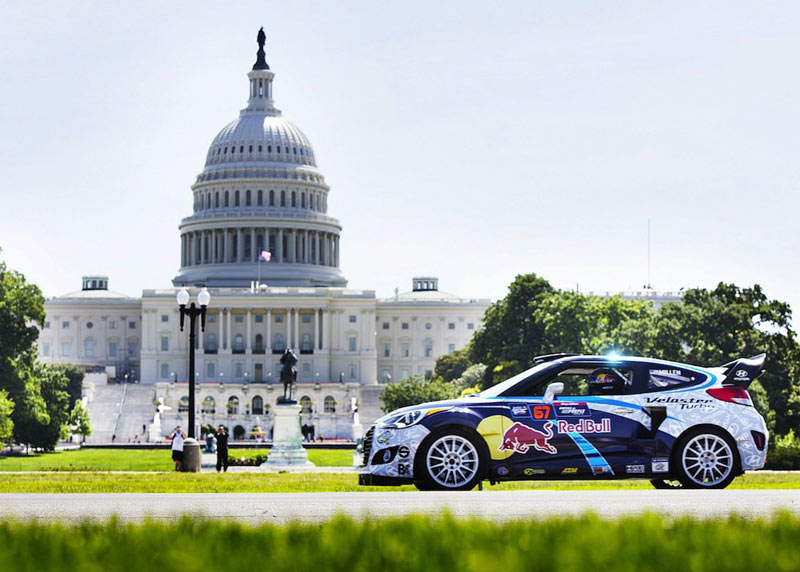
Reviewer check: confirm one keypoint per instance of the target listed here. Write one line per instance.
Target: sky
(470, 141)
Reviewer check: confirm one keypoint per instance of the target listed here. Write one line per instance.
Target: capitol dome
(260, 191)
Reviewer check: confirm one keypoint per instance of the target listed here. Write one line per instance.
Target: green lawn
(143, 460)
(646, 543)
(171, 482)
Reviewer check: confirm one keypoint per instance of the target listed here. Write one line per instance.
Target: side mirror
(553, 389)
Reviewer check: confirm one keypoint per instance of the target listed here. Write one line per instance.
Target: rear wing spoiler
(744, 371)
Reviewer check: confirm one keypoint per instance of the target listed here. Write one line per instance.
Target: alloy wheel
(452, 461)
(707, 460)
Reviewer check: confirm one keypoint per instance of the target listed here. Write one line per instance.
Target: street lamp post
(203, 298)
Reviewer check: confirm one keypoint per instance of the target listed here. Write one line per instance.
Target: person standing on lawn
(222, 448)
(177, 437)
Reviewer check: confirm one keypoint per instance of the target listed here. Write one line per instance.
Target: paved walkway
(316, 507)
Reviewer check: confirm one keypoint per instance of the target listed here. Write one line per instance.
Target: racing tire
(449, 460)
(666, 484)
(706, 458)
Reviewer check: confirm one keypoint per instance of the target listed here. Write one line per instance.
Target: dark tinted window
(666, 377)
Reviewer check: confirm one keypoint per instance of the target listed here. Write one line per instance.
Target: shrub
(784, 452)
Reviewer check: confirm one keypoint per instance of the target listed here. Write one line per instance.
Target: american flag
(264, 256)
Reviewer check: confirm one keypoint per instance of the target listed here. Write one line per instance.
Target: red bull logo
(585, 426)
(520, 438)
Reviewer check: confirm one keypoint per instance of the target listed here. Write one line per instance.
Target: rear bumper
(370, 480)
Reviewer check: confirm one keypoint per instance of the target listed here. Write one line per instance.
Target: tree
(75, 377)
(416, 390)
(43, 432)
(6, 424)
(21, 309)
(510, 330)
(451, 366)
(79, 420)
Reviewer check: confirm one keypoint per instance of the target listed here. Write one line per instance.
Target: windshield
(504, 386)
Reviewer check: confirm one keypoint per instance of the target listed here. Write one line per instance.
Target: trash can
(191, 455)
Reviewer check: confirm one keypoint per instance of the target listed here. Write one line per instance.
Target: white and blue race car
(579, 417)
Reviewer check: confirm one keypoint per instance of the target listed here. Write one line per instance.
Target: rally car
(579, 417)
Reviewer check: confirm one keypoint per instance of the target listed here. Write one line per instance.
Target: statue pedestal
(287, 441)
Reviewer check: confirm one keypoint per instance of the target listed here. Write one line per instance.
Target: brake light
(731, 394)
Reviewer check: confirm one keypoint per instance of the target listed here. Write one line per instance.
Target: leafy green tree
(79, 420)
(6, 424)
(21, 309)
(472, 377)
(43, 432)
(511, 331)
(416, 390)
(451, 366)
(75, 377)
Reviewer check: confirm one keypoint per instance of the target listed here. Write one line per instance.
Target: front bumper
(390, 453)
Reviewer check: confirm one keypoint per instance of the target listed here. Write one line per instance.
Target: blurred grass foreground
(641, 543)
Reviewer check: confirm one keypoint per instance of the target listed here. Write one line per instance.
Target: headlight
(409, 418)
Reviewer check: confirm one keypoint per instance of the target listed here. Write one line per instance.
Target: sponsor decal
(502, 471)
(403, 469)
(602, 470)
(403, 452)
(569, 471)
(666, 371)
(683, 402)
(585, 426)
(520, 438)
(572, 410)
(660, 465)
(520, 411)
(385, 437)
(634, 469)
(741, 375)
(529, 471)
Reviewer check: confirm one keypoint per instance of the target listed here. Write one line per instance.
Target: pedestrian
(177, 437)
(222, 448)
(114, 438)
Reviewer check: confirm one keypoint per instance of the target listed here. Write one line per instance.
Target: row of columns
(224, 246)
(320, 318)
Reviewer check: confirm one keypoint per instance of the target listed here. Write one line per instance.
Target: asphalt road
(495, 505)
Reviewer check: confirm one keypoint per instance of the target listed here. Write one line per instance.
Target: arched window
(311, 201)
(183, 404)
(211, 342)
(259, 148)
(208, 200)
(303, 200)
(241, 148)
(227, 199)
(233, 405)
(247, 197)
(89, 347)
(294, 199)
(305, 404)
(209, 405)
(216, 200)
(283, 198)
(257, 407)
(330, 404)
(278, 343)
(238, 343)
(305, 343)
(272, 198)
(250, 149)
(261, 198)
(428, 346)
(236, 199)
(269, 148)
(259, 343)
(238, 433)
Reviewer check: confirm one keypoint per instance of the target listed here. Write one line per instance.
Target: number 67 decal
(541, 411)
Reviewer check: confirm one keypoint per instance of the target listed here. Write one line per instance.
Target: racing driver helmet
(605, 381)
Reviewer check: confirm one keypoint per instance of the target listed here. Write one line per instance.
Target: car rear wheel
(706, 459)
(449, 461)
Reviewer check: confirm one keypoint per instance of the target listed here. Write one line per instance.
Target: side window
(585, 379)
(666, 377)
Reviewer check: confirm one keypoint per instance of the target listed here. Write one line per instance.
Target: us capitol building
(260, 190)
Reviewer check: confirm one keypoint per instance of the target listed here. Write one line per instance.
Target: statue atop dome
(261, 57)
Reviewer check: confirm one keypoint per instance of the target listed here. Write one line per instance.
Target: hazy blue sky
(470, 141)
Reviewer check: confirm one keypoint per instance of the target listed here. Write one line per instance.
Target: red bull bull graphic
(585, 426)
(520, 438)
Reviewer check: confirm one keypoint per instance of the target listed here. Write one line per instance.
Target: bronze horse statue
(288, 374)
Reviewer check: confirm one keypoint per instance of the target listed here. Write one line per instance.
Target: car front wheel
(706, 459)
(449, 461)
